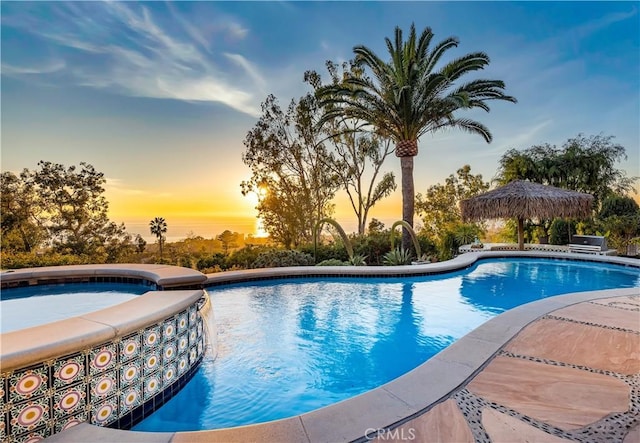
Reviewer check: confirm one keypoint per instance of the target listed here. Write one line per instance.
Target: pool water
(286, 347)
(37, 305)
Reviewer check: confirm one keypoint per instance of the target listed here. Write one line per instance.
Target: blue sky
(159, 96)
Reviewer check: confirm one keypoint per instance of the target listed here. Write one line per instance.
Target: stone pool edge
(397, 401)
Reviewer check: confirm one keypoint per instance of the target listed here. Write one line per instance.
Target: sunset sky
(159, 96)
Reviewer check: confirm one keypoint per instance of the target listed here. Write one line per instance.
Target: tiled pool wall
(154, 347)
(115, 384)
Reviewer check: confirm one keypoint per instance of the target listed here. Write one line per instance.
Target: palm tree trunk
(408, 198)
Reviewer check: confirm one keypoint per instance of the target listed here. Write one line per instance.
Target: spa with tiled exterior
(565, 368)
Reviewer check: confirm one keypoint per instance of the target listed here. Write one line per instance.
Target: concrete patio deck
(571, 375)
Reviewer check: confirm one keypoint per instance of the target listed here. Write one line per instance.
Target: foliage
(561, 231)
(358, 260)
(397, 257)
(334, 251)
(439, 207)
(408, 97)
(228, 239)
(33, 260)
(332, 262)
(354, 150)
(61, 208)
(141, 244)
(20, 212)
(216, 260)
(584, 164)
(293, 183)
(243, 258)
(280, 258)
(158, 227)
(620, 205)
(620, 217)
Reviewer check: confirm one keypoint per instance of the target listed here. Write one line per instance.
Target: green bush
(397, 257)
(332, 262)
(618, 205)
(281, 258)
(326, 252)
(373, 245)
(32, 260)
(561, 231)
(243, 258)
(216, 260)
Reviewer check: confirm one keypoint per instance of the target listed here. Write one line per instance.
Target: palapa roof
(524, 199)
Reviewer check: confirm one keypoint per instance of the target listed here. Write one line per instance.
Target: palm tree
(408, 97)
(158, 227)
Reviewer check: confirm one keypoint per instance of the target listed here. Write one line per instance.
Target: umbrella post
(520, 233)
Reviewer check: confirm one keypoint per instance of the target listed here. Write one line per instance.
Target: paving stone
(564, 397)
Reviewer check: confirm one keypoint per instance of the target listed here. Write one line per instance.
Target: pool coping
(24, 347)
(163, 276)
(396, 401)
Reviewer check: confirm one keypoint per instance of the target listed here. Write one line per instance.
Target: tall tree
(20, 213)
(158, 227)
(438, 207)
(75, 207)
(228, 240)
(356, 153)
(584, 164)
(409, 96)
(286, 153)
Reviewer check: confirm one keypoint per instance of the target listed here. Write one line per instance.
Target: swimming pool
(290, 346)
(25, 307)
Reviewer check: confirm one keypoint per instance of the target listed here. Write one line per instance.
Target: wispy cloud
(124, 48)
(47, 68)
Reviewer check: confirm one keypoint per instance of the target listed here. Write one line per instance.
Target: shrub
(32, 260)
(243, 258)
(358, 260)
(398, 256)
(281, 258)
(332, 262)
(561, 231)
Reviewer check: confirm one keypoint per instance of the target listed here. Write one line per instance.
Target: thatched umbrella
(522, 199)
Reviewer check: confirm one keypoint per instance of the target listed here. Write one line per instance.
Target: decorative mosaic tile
(169, 353)
(168, 329)
(169, 374)
(193, 338)
(3, 426)
(182, 322)
(183, 343)
(67, 422)
(25, 384)
(130, 398)
(193, 314)
(152, 385)
(193, 355)
(104, 412)
(27, 416)
(104, 385)
(199, 328)
(68, 370)
(32, 436)
(102, 358)
(69, 401)
(183, 364)
(129, 372)
(200, 347)
(151, 362)
(130, 347)
(152, 337)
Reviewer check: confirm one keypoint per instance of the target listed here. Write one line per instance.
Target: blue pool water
(37, 305)
(286, 347)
